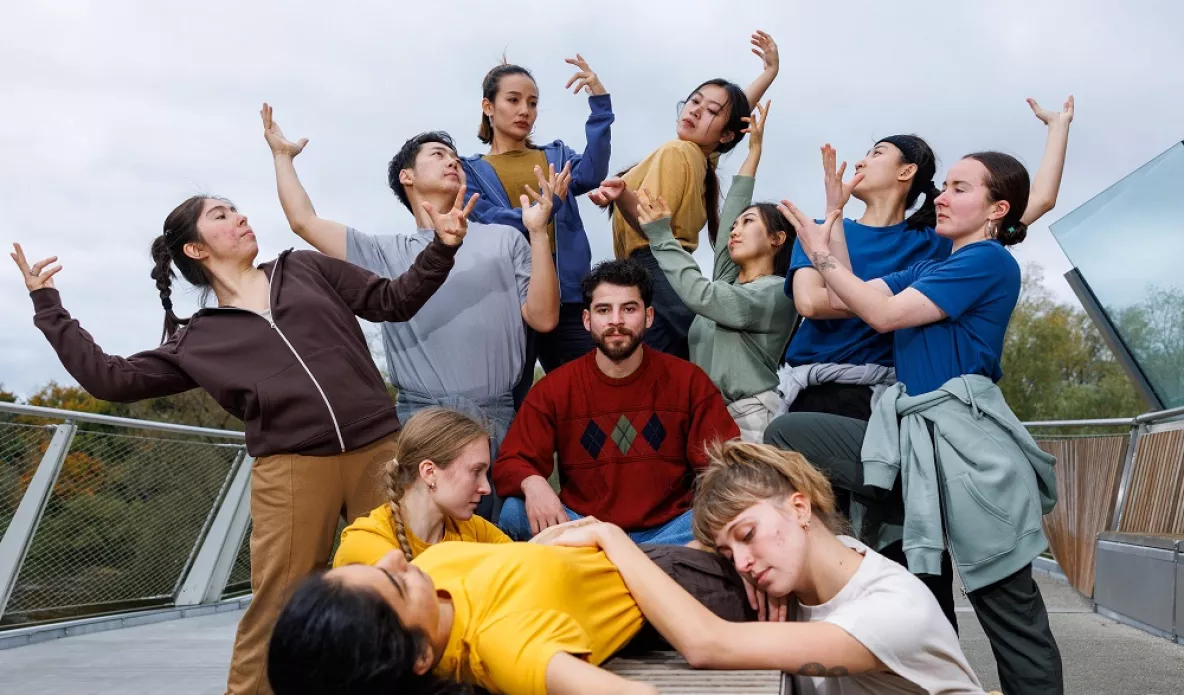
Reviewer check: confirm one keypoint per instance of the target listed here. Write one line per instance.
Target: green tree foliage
(1056, 365)
(1154, 333)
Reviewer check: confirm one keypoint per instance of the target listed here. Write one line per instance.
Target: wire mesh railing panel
(239, 581)
(121, 525)
(21, 449)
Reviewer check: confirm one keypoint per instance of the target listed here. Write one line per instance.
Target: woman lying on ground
(864, 623)
(508, 617)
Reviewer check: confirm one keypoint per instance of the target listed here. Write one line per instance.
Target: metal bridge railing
(101, 514)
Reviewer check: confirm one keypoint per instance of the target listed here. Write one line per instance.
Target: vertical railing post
(14, 546)
(207, 576)
(1124, 482)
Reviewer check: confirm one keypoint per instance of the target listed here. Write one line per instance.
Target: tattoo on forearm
(817, 670)
(824, 261)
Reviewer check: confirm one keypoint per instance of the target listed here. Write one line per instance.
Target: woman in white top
(864, 624)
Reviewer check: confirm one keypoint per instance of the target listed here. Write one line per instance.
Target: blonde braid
(394, 493)
(401, 533)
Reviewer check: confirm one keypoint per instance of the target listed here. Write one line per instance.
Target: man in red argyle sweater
(627, 422)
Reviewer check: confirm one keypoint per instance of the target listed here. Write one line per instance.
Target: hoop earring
(992, 229)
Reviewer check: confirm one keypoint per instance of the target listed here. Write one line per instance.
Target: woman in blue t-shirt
(949, 318)
(509, 108)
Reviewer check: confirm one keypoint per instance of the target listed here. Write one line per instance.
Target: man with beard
(625, 424)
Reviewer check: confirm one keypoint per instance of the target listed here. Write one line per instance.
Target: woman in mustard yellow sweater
(682, 171)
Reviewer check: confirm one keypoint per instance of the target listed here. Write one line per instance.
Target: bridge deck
(189, 657)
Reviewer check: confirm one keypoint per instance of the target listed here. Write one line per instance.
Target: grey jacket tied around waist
(793, 380)
(979, 482)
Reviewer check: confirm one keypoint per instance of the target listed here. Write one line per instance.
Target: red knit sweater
(628, 448)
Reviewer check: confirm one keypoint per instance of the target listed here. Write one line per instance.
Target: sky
(115, 111)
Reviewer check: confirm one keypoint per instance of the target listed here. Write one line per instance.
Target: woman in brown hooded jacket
(282, 351)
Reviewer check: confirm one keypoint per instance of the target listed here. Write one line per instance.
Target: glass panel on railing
(1128, 244)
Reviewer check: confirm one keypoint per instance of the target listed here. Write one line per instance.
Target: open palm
(279, 144)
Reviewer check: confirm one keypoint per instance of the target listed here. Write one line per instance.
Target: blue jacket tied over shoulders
(573, 255)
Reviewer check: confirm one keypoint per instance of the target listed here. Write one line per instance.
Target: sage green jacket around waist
(978, 484)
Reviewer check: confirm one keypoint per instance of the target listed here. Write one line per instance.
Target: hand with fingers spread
(768, 608)
(562, 183)
(814, 237)
(1054, 118)
(280, 145)
(765, 48)
(756, 125)
(452, 226)
(584, 79)
(536, 217)
(651, 208)
(609, 191)
(36, 277)
(837, 192)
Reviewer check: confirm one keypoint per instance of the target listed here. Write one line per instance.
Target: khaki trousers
(296, 502)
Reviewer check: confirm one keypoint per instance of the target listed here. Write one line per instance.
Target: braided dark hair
(180, 228)
(914, 150)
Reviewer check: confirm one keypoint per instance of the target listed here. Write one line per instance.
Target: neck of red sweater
(625, 380)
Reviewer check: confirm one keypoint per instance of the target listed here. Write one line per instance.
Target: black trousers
(1011, 611)
(672, 318)
(569, 340)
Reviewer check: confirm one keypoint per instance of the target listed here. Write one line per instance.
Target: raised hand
(765, 48)
(34, 278)
(815, 238)
(536, 217)
(584, 79)
(837, 192)
(609, 191)
(651, 209)
(563, 181)
(756, 125)
(279, 144)
(1063, 117)
(452, 226)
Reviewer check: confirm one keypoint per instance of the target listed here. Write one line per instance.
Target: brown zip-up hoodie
(303, 383)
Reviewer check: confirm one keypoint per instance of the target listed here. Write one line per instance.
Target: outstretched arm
(765, 48)
(148, 374)
(591, 167)
(1047, 182)
(707, 641)
(871, 301)
(325, 236)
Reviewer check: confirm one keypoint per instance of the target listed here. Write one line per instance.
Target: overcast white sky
(115, 111)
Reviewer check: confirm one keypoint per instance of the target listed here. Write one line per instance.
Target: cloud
(116, 111)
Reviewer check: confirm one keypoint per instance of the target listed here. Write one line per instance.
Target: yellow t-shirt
(675, 171)
(515, 170)
(370, 537)
(517, 605)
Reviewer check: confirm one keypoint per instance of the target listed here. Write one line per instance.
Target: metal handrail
(1144, 419)
(75, 416)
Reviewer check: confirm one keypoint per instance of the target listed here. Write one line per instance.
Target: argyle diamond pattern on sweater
(654, 432)
(624, 434)
(593, 439)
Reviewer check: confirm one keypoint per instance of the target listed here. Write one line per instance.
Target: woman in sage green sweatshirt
(743, 319)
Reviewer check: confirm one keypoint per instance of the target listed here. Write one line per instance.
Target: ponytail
(711, 201)
(180, 228)
(163, 274)
(926, 215)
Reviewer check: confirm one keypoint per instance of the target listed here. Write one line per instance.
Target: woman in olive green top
(743, 318)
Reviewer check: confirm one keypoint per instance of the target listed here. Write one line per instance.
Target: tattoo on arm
(817, 670)
(824, 261)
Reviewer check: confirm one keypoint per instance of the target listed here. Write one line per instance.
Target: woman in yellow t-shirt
(682, 171)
